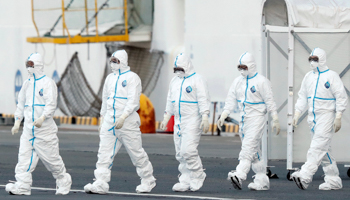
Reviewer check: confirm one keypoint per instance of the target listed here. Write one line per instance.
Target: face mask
(31, 70)
(244, 73)
(115, 66)
(313, 65)
(180, 74)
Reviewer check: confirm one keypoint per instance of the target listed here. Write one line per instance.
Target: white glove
(337, 122)
(100, 124)
(221, 121)
(120, 121)
(165, 121)
(205, 123)
(276, 124)
(296, 118)
(15, 127)
(38, 122)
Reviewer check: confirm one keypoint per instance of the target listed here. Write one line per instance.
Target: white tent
(291, 29)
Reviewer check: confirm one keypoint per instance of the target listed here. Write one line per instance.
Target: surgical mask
(244, 73)
(180, 74)
(115, 66)
(313, 65)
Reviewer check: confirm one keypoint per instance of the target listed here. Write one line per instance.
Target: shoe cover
(261, 182)
(98, 187)
(254, 186)
(18, 188)
(180, 187)
(146, 186)
(236, 182)
(63, 184)
(327, 186)
(197, 183)
(296, 176)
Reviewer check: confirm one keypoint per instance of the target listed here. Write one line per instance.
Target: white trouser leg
(331, 170)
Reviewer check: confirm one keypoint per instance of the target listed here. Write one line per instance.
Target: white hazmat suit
(121, 126)
(253, 94)
(188, 99)
(37, 102)
(323, 91)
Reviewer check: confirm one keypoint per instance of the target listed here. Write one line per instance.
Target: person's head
(34, 65)
(317, 58)
(246, 65)
(183, 65)
(118, 60)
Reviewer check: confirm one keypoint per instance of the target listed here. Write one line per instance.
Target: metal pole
(63, 17)
(290, 93)
(96, 19)
(86, 19)
(126, 20)
(36, 28)
(212, 130)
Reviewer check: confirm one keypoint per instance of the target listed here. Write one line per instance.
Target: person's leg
(131, 138)
(319, 147)
(109, 146)
(261, 181)
(184, 176)
(48, 151)
(251, 134)
(27, 161)
(332, 179)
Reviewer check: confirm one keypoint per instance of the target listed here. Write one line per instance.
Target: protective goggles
(242, 67)
(179, 69)
(313, 58)
(114, 60)
(30, 63)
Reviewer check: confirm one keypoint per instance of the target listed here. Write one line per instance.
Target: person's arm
(203, 96)
(21, 102)
(267, 95)
(338, 91)
(302, 97)
(50, 98)
(104, 99)
(134, 93)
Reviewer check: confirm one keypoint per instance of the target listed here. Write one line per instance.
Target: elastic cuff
(297, 112)
(274, 113)
(338, 114)
(43, 117)
(124, 116)
(205, 117)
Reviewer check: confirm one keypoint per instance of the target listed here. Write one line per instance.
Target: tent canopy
(330, 14)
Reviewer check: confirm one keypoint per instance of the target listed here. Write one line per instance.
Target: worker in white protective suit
(253, 94)
(323, 91)
(120, 125)
(188, 99)
(37, 102)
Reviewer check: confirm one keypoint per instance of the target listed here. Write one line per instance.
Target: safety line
(137, 194)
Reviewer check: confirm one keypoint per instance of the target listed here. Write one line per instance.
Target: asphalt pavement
(78, 148)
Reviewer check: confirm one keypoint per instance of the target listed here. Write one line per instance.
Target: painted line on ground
(137, 194)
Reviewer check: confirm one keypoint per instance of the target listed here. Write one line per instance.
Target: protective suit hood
(182, 60)
(123, 57)
(248, 60)
(321, 54)
(38, 70)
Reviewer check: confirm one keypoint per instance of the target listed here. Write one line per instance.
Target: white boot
(18, 188)
(296, 176)
(181, 187)
(197, 183)
(327, 186)
(261, 182)
(146, 186)
(63, 184)
(98, 187)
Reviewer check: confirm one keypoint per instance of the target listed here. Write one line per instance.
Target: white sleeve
(21, 102)
(203, 97)
(50, 98)
(169, 108)
(267, 95)
(134, 93)
(302, 97)
(338, 90)
(104, 99)
(231, 99)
